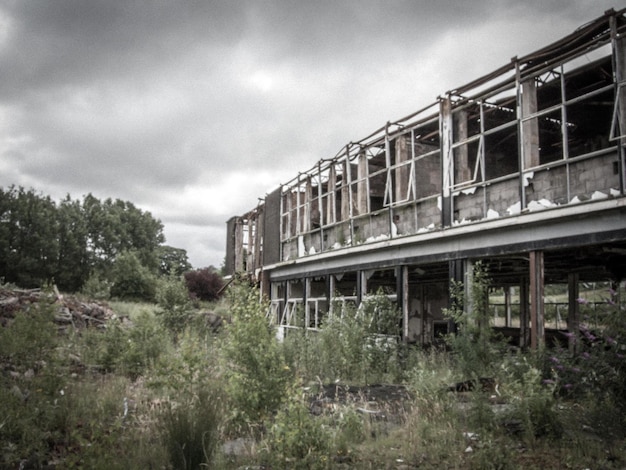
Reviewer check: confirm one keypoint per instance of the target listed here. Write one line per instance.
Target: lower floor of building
(544, 282)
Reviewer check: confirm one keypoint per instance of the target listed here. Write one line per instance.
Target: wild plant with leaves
(475, 346)
(254, 367)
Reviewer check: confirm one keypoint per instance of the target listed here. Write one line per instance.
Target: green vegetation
(105, 249)
(158, 388)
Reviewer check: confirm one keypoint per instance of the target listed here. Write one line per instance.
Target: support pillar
(537, 336)
(468, 281)
(307, 212)
(402, 291)
(456, 270)
(447, 161)
(507, 306)
(265, 285)
(462, 168)
(573, 311)
(331, 294)
(331, 205)
(306, 293)
(362, 184)
(346, 193)
(529, 133)
(524, 315)
(424, 317)
(361, 286)
(239, 249)
(402, 171)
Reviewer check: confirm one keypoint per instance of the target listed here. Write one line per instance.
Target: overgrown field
(166, 386)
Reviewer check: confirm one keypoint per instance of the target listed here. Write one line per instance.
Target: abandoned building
(522, 169)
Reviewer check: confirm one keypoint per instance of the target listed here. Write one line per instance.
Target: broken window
(485, 138)
(377, 182)
(573, 109)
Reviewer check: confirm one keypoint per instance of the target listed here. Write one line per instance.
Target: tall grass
(142, 395)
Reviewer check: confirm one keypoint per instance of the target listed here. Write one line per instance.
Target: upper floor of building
(544, 132)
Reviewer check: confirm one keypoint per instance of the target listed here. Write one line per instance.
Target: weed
(255, 370)
(175, 309)
(190, 430)
(296, 439)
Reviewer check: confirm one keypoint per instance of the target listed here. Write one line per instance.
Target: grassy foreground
(166, 391)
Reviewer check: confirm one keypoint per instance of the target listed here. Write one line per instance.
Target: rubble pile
(69, 311)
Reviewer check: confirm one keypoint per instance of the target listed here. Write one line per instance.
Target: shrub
(189, 367)
(297, 439)
(433, 423)
(475, 346)
(28, 394)
(341, 346)
(175, 309)
(128, 350)
(30, 338)
(204, 284)
(256, 373)
(131, 279)
(598, 367)
(354, 345)
(532, 399)
(97, 287)
(145, 342)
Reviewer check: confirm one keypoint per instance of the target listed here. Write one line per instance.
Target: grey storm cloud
(194, 109)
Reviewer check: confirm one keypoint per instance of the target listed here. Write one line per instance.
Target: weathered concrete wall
(599, 174)
(549, 184)
(503, 195)
(468, 205)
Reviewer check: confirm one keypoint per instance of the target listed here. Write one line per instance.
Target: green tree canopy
(29, 244)
(65, 243)
(172, 261)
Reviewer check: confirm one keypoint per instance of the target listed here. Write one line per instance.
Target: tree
(204, 284)
(172, 261)
(72, 268)
(70, 242)
(132, 280)
(6, 226)
(117, 226)
(139, 231)
(29, 244)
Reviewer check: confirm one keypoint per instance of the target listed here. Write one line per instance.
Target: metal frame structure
(523, 168)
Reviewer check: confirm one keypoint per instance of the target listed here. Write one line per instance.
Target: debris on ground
(69, 310)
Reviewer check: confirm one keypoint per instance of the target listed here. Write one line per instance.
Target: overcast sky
(192, 110)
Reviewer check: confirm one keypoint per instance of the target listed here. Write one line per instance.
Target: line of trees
(72, 241)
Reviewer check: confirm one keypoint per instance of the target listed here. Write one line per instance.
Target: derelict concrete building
(523, 169)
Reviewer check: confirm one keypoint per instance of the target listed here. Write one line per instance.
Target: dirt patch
(384, 401)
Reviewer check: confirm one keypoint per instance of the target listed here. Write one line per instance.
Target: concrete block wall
(338, 234)
(428, 176)
(598, 174)
(405, 219)
(428, 213)
(469, 206)
(313, 242)
(503, 195)
(290, 249)
(550, 184)
(370, 226)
